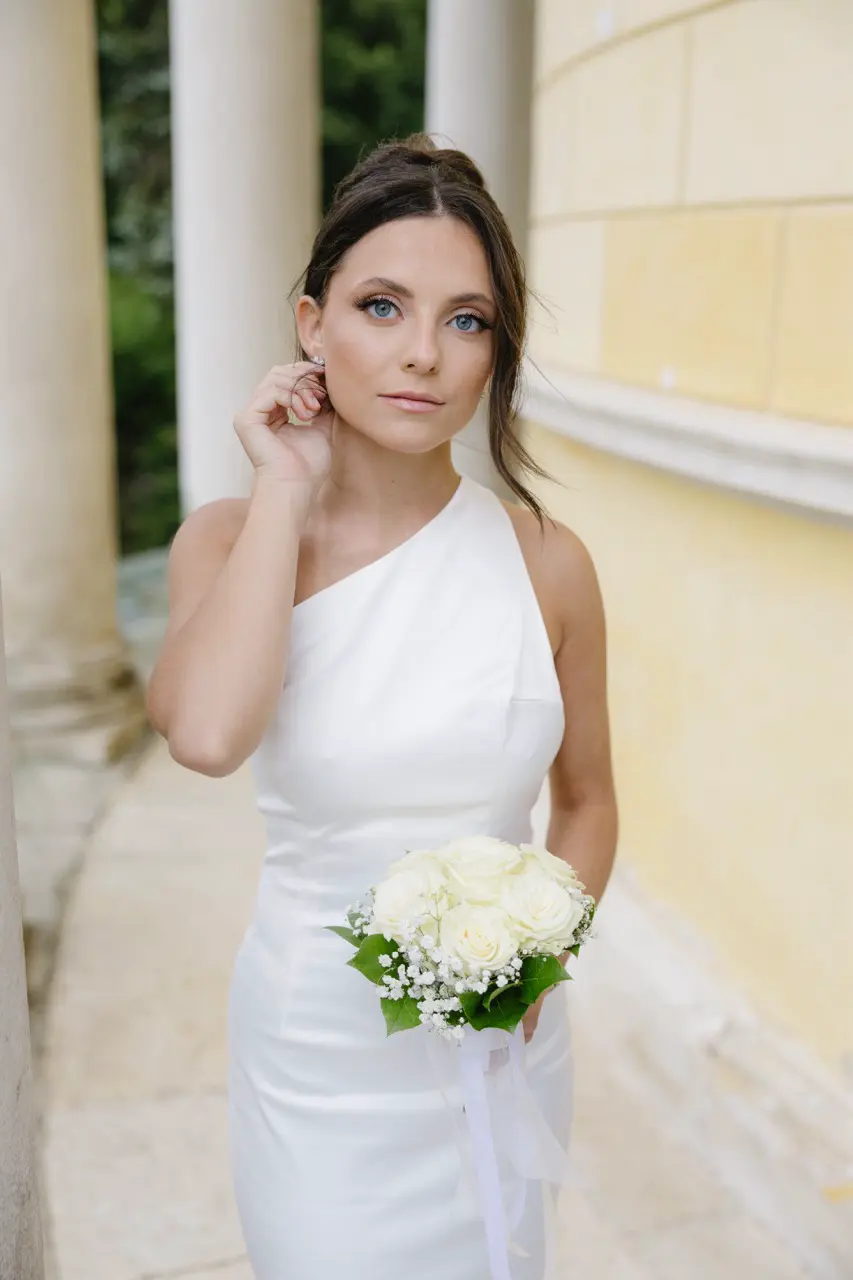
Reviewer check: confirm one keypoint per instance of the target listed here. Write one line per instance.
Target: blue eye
(367, 304)
(468, 320)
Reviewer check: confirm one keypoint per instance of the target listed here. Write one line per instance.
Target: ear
(309, 325)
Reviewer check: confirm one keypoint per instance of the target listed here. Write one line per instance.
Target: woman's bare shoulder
(554, 548)
(199, 549)
(215, 523)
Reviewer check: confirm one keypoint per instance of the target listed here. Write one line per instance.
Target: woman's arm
(584, 823)
(232, 579)
(583, 827)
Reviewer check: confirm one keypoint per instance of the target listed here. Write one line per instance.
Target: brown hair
(415, 178)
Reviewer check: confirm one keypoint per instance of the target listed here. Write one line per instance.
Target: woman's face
(410, 309)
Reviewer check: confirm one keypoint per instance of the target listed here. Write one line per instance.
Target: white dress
(420, 704)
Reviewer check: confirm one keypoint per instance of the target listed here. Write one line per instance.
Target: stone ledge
(803, 466)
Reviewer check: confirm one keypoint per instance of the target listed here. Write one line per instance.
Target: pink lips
(414, 401)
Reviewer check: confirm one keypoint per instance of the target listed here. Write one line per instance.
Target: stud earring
(317, 360)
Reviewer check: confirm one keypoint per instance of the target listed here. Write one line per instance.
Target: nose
(422, 353)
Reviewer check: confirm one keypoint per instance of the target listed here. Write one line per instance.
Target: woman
(404, 657)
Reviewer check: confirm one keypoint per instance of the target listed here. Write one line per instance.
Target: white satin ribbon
(504, 1120)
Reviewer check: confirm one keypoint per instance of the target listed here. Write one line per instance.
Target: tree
(373, 55)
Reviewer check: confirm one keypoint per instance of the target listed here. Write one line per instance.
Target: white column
(246, 141)
(478, 93)
(72, 687)
(20, 1224)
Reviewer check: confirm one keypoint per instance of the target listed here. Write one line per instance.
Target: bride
(404, 658)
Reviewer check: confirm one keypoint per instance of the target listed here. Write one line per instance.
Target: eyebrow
(394, 287)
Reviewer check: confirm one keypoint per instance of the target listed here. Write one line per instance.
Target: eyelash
(364, 303)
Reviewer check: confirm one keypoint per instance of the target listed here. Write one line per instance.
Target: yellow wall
(732, 704)
(693, 198)
(692, 232)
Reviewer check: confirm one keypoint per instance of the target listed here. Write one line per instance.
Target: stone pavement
(135, 1152)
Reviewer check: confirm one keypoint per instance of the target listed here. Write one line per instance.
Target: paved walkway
(135, 1149)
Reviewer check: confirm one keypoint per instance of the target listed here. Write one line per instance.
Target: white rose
(541, 911)
(398, 900)
(427, 867)
(477, 866)
(430, 874)
(478, 936)
(551, 865)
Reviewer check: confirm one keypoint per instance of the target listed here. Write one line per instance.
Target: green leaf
(343, 932)
(472, 1005)
(538, 973)
(366, 959)
(401, 1015)
(575, 949)
(491, 996)
(505, 1010)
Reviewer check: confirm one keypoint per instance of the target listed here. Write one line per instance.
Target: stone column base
(91, 711)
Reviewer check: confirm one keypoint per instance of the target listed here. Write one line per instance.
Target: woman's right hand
(298, 453)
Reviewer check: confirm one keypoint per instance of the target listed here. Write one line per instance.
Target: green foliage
(506, 1007)
(146, 445)
(540, 973)
(366, 959)
(343, 932)
(133, 57)
(496, 992)
(373, 54)
(400, 1015)
(372, 67)
(505, 1010)
(500, 1007)
(133, 68)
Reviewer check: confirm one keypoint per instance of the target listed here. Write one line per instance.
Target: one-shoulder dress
(420, 704)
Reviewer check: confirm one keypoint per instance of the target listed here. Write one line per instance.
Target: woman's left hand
(531, 1017)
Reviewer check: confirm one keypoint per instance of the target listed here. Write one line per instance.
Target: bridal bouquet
(468, 934)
